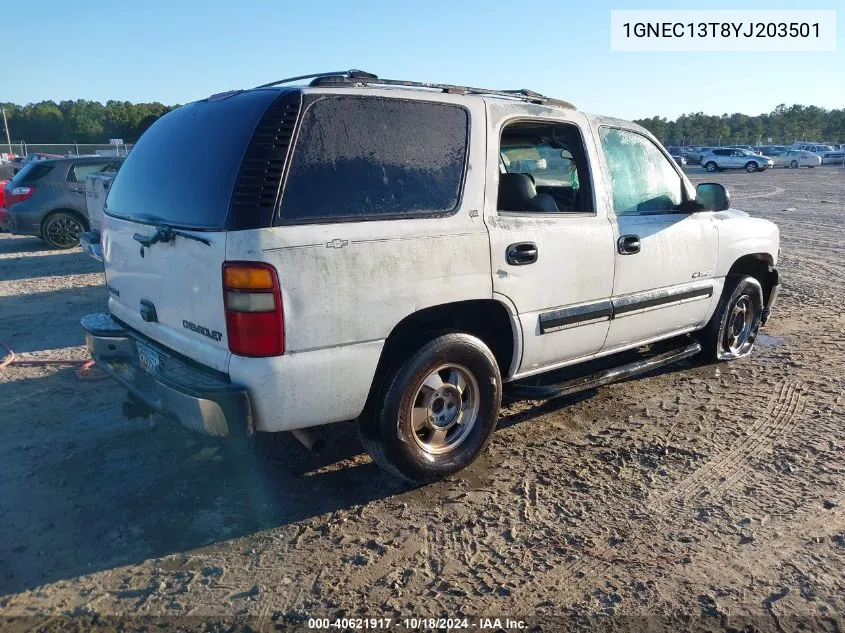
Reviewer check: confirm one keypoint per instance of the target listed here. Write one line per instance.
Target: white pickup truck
(398, 253)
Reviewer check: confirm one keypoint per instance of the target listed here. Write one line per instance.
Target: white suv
(397, 253)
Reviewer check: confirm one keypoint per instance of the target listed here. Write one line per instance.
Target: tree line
(784, 125)
(83, 121)
(80, 121)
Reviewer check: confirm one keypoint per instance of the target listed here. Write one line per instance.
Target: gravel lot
(703, 496)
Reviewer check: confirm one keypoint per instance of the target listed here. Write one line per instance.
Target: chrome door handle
(628, 244)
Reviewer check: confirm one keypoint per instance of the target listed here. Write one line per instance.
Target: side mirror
(711, 196)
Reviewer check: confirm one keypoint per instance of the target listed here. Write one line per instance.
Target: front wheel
(733, 329)
(436, 412)
(751, 167)
(711, 166)
(794, 164)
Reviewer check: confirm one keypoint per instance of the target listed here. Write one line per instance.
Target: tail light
(18, 194)
(254, 317)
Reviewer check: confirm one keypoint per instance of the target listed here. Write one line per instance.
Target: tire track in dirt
(783, 413)
(722, 472)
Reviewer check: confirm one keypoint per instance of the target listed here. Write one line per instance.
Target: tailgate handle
(148, 311)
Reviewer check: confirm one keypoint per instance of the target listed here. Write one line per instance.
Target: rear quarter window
(364, 158)
(30, 173)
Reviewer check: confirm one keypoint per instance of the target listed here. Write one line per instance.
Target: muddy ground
(704, 496)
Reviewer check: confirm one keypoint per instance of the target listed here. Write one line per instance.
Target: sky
(177, 51)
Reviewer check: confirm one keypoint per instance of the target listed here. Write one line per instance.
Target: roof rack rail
(348, 78)
(353, 73)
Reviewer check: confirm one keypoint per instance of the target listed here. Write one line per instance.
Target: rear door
(181, 174)
(75, 182)
(552, 261)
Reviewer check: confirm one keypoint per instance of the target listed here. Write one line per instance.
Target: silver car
(733, 158)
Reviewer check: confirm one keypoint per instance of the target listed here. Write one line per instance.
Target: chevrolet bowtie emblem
(337, 243)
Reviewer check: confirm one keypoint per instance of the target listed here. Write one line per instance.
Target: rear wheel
(61, 230)
(436, 412)
(711, 166)
(751, 167)
(732, 331)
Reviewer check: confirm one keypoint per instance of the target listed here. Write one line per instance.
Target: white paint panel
(675, 249)
(310, 388)
(183, 280)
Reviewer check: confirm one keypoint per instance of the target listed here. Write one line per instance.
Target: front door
(665, 259)
(551, 247)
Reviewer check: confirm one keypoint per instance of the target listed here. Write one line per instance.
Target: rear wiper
(165, 233)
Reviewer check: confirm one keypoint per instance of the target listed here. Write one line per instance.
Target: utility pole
(6, 125)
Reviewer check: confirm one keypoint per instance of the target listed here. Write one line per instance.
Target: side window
(78, 173)
(543, 169)
(642, 179)
(362, 158)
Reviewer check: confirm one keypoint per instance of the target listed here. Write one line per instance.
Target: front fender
(741, 235)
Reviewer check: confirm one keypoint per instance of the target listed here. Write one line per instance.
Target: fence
(66, 149)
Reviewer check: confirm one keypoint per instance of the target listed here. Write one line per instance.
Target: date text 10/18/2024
(506, 624)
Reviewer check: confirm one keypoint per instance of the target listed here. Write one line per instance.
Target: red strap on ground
(86, 371)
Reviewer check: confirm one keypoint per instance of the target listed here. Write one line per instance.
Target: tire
(61, 230)
(435, 412)
(733, 329)
(794, 164)
(711, 166)
(751, 167)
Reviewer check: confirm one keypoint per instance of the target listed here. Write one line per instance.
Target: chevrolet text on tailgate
(399, 253)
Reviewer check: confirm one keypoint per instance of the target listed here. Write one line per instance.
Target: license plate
(148, 358)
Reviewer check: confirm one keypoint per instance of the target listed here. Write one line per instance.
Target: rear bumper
(23, 219)
(199, 399)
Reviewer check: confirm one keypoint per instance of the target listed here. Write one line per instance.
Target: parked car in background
(828, 153)
(11, 167)
(19, 162)
(771, 150)
(695, 154)
(732, 158)
(677, 154)
(797, 158)
(47, 199)
(747, 148)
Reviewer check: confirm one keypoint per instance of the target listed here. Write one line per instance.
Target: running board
(519, 389)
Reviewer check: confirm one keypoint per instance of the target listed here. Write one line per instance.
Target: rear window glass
(359, 158)
(31, 173)
(183, 169)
